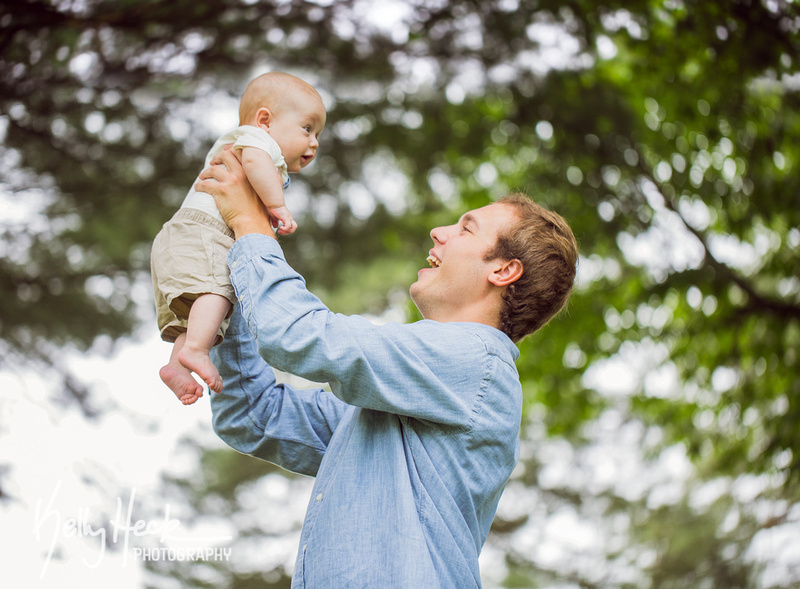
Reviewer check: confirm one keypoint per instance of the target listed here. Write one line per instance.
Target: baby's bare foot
(199, 362)
(180, 380)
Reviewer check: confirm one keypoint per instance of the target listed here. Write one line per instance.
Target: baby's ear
(264, 117)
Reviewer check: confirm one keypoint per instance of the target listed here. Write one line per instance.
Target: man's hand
(238, 203)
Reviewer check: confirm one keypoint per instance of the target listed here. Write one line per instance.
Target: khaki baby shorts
(189, 258)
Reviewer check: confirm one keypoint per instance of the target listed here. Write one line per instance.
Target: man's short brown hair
(543, 242)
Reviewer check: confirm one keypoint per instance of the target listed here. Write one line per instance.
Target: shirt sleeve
(251, 136)
(427, 370)
(256, 415)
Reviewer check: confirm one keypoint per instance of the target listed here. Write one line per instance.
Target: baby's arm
(266, 180)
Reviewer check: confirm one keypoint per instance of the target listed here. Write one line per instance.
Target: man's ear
(506, 273)
(264, 117)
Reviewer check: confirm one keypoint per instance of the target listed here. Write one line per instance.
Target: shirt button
(319, 497)
(304, 547)
(233, 264)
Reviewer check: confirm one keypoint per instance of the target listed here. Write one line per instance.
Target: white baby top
(243, 136)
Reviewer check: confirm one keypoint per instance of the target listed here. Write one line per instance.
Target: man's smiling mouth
(434, 261)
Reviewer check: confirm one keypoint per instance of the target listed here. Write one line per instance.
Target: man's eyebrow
(469, 218)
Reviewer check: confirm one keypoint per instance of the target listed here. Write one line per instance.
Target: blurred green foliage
(666, 131)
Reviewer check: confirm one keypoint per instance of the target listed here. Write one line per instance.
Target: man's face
(296, 130)
(456, 285)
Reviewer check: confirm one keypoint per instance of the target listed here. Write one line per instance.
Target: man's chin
(414, 293)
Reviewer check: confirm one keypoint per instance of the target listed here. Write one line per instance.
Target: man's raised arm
(255, 415)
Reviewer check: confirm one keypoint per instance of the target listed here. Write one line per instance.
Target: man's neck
(477, 313)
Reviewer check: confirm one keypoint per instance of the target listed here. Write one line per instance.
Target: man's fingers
(211, 179)
(227, 157)
(210, 173)
(208, 186)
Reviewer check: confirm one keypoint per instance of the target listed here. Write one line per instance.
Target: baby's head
(290, 110)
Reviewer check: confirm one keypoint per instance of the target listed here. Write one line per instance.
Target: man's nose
(439, 234)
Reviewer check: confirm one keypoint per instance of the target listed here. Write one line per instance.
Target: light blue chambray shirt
(411, 451)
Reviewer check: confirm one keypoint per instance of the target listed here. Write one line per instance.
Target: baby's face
(296, 129)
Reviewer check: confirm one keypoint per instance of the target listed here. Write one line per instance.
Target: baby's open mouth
(434, 261)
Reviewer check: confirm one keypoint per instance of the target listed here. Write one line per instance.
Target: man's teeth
(434, 262)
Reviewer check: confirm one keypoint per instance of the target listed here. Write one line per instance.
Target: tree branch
(757, 301)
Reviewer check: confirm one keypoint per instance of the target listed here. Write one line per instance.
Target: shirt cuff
(253, 245)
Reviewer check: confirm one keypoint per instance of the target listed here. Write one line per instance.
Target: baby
(280, 118)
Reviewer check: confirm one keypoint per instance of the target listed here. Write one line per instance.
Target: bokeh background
(662, 410)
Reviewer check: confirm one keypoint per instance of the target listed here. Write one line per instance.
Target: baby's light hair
(271, 90)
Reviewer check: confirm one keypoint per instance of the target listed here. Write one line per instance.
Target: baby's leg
(205, 317)
(178, 378)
